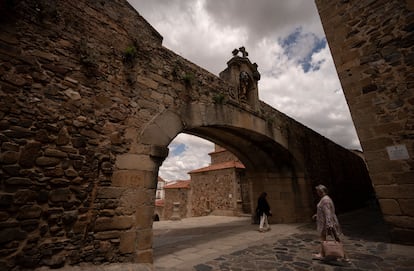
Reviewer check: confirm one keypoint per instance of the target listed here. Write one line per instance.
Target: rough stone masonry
(372, 45)
(90, 100)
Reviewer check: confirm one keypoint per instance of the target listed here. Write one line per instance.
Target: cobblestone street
(290, 247)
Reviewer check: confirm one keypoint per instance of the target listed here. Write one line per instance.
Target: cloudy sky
(284, 37)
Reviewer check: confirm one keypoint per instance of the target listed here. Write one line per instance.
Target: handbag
(332, 248)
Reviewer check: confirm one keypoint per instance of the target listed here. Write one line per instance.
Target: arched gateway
(86, 122)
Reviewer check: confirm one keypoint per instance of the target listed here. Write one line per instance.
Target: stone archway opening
(236, 201)
(265, 166)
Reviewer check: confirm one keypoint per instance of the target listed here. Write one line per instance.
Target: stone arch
(263, 149)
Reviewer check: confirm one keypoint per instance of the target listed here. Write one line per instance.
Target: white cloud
(205, 32)
(195, 156)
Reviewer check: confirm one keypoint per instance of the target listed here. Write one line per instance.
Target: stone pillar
(137, 177)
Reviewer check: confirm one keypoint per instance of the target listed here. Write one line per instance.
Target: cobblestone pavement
(366, 244)
(294, 253)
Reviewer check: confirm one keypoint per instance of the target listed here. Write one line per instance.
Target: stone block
(80, 226)
(9, 157)
(109, 192)
(405, 191)
(382, 179)
(60, 195)
(390, 207)
(388, 128)
(170, 123)
(407, 206)
(144, 256)
(159, 152)
(133, 199)
(143, 217)
(128, 242)
(7, 235)
(113, 223)
(44, 161)
(105, 235)
(404, 177)
(145, 239)
(134, 178)
(155, 135)
(376, 143)
(55, 153)
(146, 81)
(29, 212)
(384, 166)
(135, 161)
(386, 191)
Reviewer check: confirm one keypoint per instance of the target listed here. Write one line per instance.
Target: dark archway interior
(254, 150)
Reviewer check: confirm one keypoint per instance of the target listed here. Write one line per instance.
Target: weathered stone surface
(24, 197)
(60, 195)
(134, 162)
(68, 101)
(9, 157)
(110, 192)
(63, 137)
(115, 223)
(59, 182)
(390, 207)
(29, 212)
(55, 153)
(18, 181)
(407, 206)
(7, 235)
(44, 161)
(379, 99)
(133, 178)
(128, 242)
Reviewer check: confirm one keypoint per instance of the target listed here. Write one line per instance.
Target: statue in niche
(244, 85)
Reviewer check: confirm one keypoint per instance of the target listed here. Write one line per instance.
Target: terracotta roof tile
(159, 202)
(229, 164)
(178, 184)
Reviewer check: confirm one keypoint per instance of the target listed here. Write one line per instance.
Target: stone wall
(372, 45)
(77, 84)
(89, 101)
(181, 195)
(220, 155)
(223, 188)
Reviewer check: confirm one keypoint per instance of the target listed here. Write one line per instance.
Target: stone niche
(243, 75)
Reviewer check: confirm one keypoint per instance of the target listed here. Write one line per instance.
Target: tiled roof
(178, 184)
(213, 152)
(161, 179)
(159, 202)
(229, 164)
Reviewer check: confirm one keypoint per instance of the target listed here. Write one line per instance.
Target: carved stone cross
(242, 50)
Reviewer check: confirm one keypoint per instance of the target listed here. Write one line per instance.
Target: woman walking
(263, 210)
(326, 220)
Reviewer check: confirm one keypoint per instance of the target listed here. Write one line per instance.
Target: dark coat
(263, 206)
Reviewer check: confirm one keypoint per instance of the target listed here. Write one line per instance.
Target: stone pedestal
(176, 211)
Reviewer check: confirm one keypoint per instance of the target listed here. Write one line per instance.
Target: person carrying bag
(332, 248)
(328, 225)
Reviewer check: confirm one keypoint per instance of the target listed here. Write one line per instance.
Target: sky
(284, 37)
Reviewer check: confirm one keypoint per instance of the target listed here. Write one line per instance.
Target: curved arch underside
(254, 150)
